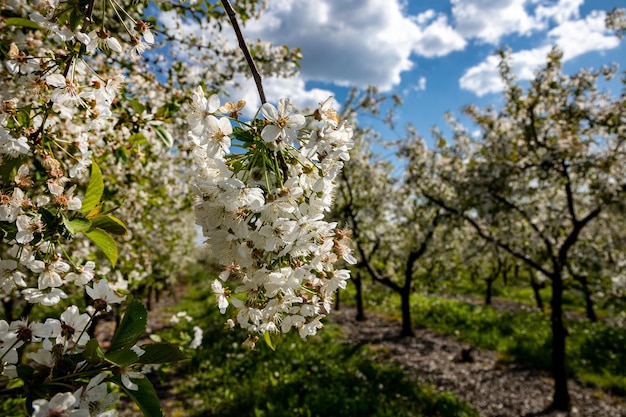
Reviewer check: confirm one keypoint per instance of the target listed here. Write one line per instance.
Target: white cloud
(274, 89)
(490, 20)
(425, 17)
(348, 42)
(578, 37)
(438, 38)
(574, 37)
(560, 12)
(484, 78)
(421, 84)
(344, 42)
(295, 88)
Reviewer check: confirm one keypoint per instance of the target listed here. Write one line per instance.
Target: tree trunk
(536, 287)
(561, 398)
(407, 327)
(358, 284)
(490, 280)
(591, 312)
(489, 291)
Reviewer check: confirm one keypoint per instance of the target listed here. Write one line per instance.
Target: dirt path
(495, 390)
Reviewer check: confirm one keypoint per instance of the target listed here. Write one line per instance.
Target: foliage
(94, 202)
(542, 182)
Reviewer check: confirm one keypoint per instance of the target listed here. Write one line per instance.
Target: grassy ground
(596, 351)
(319, 376)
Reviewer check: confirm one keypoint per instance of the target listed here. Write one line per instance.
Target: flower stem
(244, 48)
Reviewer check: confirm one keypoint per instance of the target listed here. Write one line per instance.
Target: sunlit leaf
(21, 22)
(164, 135)
(271, 339)
(110, 224)
(105, 242)
(77, 225)
(94, 189)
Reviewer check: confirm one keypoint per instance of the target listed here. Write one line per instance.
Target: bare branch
(244, 48)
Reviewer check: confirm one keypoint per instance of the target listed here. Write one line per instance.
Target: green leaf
(109, 223)
(94, 189)
(92, 352)
(145, 396)
(22, 22)
(136, 105)
(138, 139)
(166, 110)
(161, 353)
(271, 339)
(246, 136)
(105, 242)
(131, 328)
(121, 358)
(25, 372)
(164, 135)
(23, 117)
(76, 19)
(94, 212)
(15, 383)
(9, 168)
(77, 225)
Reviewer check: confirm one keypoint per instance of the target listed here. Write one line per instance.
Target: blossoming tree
(93, 198)
(546, 168)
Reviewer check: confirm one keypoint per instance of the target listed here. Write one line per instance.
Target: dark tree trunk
(489, 291)
(358, 283)
(536, 287)
(561, 398)
(490, 280)
(591, 312)
(337, 297)
(407, 327)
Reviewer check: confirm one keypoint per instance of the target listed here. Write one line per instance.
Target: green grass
(596, 352)
(519, 291)
(318, 376)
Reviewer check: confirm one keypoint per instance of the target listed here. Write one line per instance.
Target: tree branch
(528, 261)
(244, 48)
(568, 192)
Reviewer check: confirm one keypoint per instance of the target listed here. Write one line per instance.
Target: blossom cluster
(263, 188)
(61, 112)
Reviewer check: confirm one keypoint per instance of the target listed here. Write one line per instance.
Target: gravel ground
(492, 388)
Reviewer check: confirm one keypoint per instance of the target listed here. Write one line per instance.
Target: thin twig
(244, 48)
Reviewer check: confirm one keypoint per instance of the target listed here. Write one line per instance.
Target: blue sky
(438, 55)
